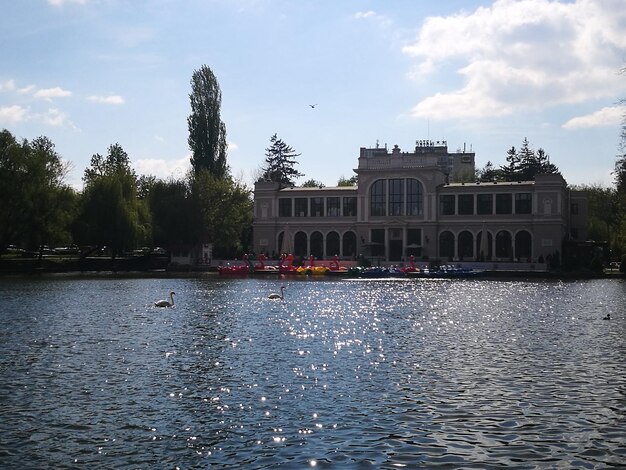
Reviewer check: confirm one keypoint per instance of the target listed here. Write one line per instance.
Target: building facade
(417, 203)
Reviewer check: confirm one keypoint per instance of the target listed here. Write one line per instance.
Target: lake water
(340, 374)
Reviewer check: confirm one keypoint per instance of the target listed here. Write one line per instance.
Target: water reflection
(471, 374)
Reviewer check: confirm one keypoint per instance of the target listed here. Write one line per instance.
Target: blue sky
(480, 74)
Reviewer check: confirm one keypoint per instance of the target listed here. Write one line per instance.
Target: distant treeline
(116, 208)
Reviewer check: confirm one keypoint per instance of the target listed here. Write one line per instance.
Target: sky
(481, 75)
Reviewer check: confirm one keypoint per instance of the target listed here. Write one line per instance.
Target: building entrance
(395, 250)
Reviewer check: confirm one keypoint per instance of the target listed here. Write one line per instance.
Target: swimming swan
(280, 296)
(166, 303)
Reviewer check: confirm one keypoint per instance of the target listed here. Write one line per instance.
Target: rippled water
(342, 373)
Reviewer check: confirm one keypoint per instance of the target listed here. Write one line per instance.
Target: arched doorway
(504, 247)
(446, 245)
(349, 244)
(300, 243)
(465, 247)
(332, 244)
(317, 245)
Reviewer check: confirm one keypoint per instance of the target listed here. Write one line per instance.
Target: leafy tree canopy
(222, 209)
(352, 181)
(312, 184)
(36, 203)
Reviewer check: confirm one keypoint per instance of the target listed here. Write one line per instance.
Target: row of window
(399, 197)
(485, 204)
(317, 207)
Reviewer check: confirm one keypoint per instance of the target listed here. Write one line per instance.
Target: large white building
(412, 203)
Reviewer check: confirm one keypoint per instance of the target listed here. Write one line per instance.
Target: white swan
(280, 296)
(166, 303)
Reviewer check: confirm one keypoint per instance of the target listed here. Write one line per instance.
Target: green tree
(222, 210)
(352, 181)
(172, 213)
(489, 173)
(312, 184)
(207, 132)
(525, 164)
(111, 213)
(49, 202)
(279, 163)
(544, 165)
(510, 171)
(528, 166)
(36, 204)
(603, 219)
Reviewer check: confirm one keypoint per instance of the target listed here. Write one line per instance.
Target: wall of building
(533, 229)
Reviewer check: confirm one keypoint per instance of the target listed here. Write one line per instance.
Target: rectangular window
(484, 204)
(301, 206)
(317, 206)
(504, 203)
(447, 204)
(396, 197)
(349, 206)
(466, 204)
(574, 208)
(332, 206)
(284, 207)
(523, 203)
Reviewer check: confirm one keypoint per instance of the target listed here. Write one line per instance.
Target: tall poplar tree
(207, 132)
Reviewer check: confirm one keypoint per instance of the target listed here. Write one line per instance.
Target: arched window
(349, 244)
(281, 244)
(300, 242)
(504, 248)
(317, 245)
(466, 245)
(332, 244)
(378, 198)
(414, 197)
(446, 244)
(523, 245)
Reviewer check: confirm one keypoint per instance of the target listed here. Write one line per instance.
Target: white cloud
(26, 89)
(8, 85)
(163, 168)
(49, 93)
(372, 16)
(364, 14)
(521, 55)
(607, 116)
(12, 114)
(111, 99)
(55, 117)
(232, 147)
